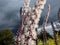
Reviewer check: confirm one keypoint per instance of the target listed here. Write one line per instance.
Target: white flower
(31, 42)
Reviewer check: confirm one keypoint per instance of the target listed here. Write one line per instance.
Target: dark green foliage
(59, 32)
(47, 36)
(6, 37)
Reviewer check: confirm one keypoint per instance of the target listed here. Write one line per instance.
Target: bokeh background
(9, 13)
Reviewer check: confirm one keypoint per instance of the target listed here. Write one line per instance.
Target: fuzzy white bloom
(31, 21)
(34, 34)
(31, 42)
(40, 3)
(26, 32)
(33, 16)
(22, 39)
(36, 11)
(26, 4)
(25, 9)
(28, 21)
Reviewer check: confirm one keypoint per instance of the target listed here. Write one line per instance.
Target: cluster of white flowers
(30, 17)
(35, 17)
(20, 38)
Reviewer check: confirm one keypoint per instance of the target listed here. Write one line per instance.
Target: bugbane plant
(24, 10)
(30, 18)
(35, 17)
(44, 25)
